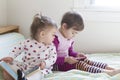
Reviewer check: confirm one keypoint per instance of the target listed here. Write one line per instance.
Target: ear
(42, 33)
(64, 26)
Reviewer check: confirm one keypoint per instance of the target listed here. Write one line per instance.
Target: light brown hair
(39, 24)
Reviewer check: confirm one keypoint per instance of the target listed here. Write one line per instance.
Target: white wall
(21, 12)
(101, 33)
(3, 12)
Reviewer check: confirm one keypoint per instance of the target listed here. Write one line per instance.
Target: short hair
(39, 24)
(73, 20)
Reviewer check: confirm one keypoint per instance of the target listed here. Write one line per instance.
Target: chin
(69, 38)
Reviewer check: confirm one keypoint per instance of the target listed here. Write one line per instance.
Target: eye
(76, 32)
(73, 33)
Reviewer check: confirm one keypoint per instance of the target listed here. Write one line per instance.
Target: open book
(32, 71)
(13, 74)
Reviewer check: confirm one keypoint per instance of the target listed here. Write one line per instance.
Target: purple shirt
(64, 48)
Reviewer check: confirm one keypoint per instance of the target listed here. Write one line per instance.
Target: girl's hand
(7, 59)
(81, 55)
(71, 60)
(42, 65)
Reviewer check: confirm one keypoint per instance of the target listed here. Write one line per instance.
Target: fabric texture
(113, 59)
(33, 54)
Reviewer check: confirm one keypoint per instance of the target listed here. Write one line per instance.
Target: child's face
(69, 33)
(48, 35)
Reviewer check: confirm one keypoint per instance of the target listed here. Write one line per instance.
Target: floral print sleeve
(52, 57)
(17, 50)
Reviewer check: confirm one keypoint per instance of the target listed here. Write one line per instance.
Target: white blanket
(113, 59)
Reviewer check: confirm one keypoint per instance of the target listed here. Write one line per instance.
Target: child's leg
(111, 72)
(6, 76)
(109, 68)
(81, 65)
(98, 64)
(92, 69)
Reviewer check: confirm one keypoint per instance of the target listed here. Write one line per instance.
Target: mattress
(7, 41)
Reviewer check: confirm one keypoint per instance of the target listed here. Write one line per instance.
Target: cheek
(50, 38)
(70, 34)
(67, 34)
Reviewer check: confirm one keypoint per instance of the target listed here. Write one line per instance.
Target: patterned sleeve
(17, 49)
(52, 57)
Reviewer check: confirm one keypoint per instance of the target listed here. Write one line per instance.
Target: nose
(73, 35)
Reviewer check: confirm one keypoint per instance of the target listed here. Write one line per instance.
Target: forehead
(73, 30)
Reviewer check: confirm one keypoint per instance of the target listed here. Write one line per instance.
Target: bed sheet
(113, 59)
(7, 41)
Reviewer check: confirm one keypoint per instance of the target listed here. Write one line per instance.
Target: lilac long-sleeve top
(64, 48)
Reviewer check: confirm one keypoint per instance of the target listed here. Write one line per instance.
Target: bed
(10, 36)
(113, 59)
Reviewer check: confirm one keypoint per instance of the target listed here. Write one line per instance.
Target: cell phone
(80, 58)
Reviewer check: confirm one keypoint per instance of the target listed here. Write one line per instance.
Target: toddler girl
(38, 51)
(67, 59)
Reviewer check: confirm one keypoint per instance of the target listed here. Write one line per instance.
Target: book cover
(28, 73)
(7, 68)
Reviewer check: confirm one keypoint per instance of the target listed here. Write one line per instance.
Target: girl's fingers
(6, 60)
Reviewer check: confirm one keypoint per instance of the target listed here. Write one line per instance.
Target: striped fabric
(90, 66)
